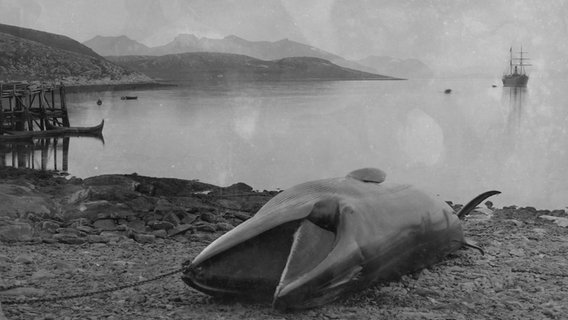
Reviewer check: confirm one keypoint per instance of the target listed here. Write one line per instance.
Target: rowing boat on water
(53, 132)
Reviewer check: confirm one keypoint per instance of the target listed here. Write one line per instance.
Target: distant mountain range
(264, 50)
(32, 55)
(216, 66)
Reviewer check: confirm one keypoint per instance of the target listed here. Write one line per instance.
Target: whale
(321, 240)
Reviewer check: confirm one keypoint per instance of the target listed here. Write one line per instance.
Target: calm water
(275, 135)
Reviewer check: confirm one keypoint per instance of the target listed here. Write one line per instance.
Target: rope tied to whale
(90, 293)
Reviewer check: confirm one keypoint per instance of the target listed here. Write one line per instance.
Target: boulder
(69, 238)
(77, 196)
(223, 226)
(241, 215)
(71, 231)
(79, 222)
(136, 225)
(160, 225)
(163, 206)
(48, 226)
(188, 218)
(209, 217)
(112, 179)
(144, 238)
(112, 193)
(105, 224)
(112, 236)
(24, 259)
(11, 231)
(141, 204)
(18, 201)
(172, 218)
(179, 229)
(95, 238)
(160, 233)
(205, 226)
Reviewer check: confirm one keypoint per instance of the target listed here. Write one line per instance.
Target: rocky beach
(63, 236)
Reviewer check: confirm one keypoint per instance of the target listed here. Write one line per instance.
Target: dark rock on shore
(38, 206)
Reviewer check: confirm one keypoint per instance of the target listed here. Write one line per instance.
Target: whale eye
(325, 214)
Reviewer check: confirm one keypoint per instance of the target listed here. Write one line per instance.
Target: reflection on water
(276, 135)
(41, 154)
(514, 98)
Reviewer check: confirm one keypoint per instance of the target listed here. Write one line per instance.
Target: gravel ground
(523, 275)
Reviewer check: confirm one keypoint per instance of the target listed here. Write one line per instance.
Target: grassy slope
(39, 56)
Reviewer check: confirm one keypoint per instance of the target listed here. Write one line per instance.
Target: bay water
(480, 136)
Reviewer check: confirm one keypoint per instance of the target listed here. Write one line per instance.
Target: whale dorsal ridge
(368, 175)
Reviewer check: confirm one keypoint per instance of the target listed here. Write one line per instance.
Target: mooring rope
(87, 294)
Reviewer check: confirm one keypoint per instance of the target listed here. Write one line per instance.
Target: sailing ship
(517, 76)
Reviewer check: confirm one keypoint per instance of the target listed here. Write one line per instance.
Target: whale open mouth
(262, 266)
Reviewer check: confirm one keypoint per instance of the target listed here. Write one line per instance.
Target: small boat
(53, 132)
(517, 76)
(448, 91)
(129, 98)
(99, 102)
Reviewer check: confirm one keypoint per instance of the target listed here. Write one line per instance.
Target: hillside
(29, 55)
(183, 43)
(48, 39)
(205, 66)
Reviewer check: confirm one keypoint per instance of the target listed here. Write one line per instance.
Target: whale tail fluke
(475, 202)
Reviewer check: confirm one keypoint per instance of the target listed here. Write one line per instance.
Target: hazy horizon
(446, 35)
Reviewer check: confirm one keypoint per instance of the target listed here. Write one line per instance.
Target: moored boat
(53, 132)
(516, 77)
(129, 98)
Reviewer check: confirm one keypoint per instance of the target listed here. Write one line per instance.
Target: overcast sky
(443, 34)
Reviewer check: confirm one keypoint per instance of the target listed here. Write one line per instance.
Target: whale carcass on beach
(322, 239)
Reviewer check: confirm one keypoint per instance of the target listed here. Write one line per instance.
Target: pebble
(223, 226)
(144, 238)
(62, 265)
(4, 258)
(241, 216)
(24, 258)
(42, 274)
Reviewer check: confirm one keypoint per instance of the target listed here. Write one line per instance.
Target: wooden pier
(25, 107)
(42, 154)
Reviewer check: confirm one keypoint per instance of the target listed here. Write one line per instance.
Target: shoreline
(64, 235)
(117, 87)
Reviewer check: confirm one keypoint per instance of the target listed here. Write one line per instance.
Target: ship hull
(515, 80)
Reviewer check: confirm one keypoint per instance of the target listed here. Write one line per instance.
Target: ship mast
(511, 60)
(521, 62)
